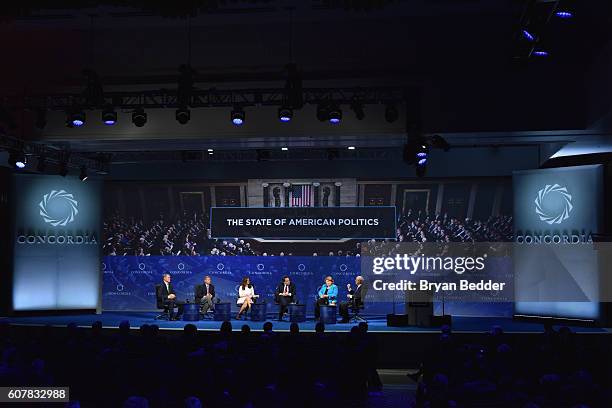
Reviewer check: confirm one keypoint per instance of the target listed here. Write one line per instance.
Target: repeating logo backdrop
(129, 281)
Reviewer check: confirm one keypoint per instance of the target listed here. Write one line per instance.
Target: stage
(378, 324)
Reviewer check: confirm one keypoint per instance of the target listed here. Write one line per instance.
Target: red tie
(286, 289)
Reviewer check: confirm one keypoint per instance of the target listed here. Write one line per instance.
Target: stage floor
(460, 324)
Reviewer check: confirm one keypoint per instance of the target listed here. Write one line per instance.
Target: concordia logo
(57, 198)
(558, 192)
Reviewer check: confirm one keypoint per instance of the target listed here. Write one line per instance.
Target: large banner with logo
(56, 243)
(556, 213)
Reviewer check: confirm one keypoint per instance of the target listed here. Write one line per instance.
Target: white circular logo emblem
(553, 204)
(58, 208)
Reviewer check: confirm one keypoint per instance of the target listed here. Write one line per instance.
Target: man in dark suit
(285, 294)
(356, 298)
(169, 299)
(205, 294)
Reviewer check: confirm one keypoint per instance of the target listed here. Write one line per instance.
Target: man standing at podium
(285, 294)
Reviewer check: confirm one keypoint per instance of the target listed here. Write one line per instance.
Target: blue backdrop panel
(56, 235)
(129, 281)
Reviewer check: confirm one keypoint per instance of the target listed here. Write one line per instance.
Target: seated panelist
(285, 294)
(355, 298)
(205, 294)
(327, 295)
(246, 296)
(169, 299)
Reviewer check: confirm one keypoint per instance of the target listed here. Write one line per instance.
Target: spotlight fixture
(75, 118)
(391, 113)
(17, 160)
(421, 169)
(564, 14)
(285, 114)
(528, 36)
(322, 112)
(333, 154)
(139, 117)
(63, 168)
(284, 149)
(83, 175)
(183, 114)
(237, 116)
(540, 53)
(357, 107)
(335, 114)
(351, 147)
(440, 143)
(422, 152)
(209, 150)
(42, 164)
(109, 116)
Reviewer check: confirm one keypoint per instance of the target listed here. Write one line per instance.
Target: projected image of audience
(189, 235)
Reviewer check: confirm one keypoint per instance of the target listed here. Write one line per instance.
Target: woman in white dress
(246, 294)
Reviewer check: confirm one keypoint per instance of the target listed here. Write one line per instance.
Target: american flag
(301, 195)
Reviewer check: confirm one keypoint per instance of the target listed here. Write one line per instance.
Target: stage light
(83, 176)
(351, 147)
(357, 107)
(322, 112)
(17, 160)
(335, 114)
(182, 115)
(109, 116)
(285, 114)
(528, 36)
(75, 118)
(42, 164)
(421, 168)
(63, 169)
(440, 143)
(333, 154)
(237, 116)
(209, 150)
(284, 149)
(391, 113)
(139, 117)
(540, 53)
(564, 14)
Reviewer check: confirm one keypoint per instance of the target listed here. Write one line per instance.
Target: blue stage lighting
(540, 53)
(237, 116)
(528, 36)
(564, 14)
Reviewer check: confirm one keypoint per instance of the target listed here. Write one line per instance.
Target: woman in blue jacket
(327, 295)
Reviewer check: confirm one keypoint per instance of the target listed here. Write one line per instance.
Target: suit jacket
(281, 288)
(200, 291)
(164, 292)
(358, 295)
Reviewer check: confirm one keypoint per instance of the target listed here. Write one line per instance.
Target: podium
(191, 312)
(297, 313)
(328, 314)
(258, 312)
(222, 312)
